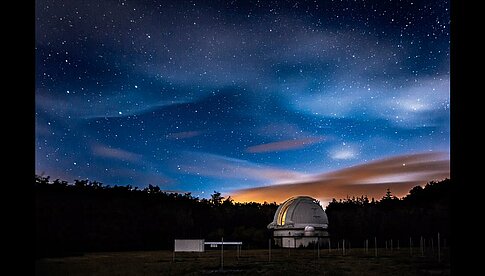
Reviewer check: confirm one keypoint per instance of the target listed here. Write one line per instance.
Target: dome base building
(299, 222)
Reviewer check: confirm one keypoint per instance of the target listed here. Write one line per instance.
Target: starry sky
(248, 98)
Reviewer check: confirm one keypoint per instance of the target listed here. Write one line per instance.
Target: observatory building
(299, 221)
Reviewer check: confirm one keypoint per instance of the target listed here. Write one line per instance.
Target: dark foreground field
(250, 262)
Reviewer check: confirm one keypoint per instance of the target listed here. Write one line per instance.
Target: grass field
(251, 262)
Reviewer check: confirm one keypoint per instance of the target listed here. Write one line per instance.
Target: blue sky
(197, 96)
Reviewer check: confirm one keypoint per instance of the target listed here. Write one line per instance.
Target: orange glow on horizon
(370, 179)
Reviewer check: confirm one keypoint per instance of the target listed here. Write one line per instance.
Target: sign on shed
(189, 246)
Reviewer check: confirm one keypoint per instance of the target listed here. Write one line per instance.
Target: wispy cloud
(222, 167)
(344, 151)
(183, 135)
(343, 154)
(399, 173)
(76, 106)
(281, 129)
(285, 145)
(114, 153)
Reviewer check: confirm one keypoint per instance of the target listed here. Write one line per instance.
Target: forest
(87, 216)
(424, 211)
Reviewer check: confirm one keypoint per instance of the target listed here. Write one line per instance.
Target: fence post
(424, 240)
(375, 245)
(269, 251)
(410, 246)
(343, 247)
(222, 253)
(422, 246)
(439, 253)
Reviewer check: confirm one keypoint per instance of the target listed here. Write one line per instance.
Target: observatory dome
(299, 212)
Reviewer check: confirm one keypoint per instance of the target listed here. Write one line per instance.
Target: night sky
(233, 96)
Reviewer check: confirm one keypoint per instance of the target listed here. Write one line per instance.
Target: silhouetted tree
(40, 180)
(80, 183)
(88, 216)
(216, 198)
(424, 211)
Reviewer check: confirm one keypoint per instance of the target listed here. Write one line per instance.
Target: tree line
(425, 211)
(87, 216)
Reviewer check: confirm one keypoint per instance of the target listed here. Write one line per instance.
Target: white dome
(298, 213)
(309, 228)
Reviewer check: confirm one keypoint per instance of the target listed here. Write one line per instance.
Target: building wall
(291, 238)
(299, 233)
(288, 242)
(189, 246)
(296, 242)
